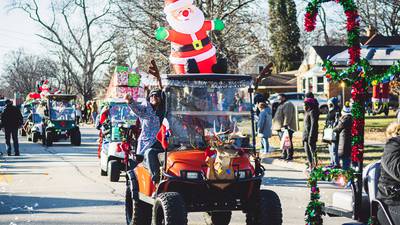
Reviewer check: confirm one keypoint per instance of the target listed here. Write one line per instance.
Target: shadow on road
(15, 204)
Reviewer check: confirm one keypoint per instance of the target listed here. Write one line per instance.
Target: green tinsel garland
(314, 212)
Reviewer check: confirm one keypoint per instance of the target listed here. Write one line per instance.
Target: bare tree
(239, 39)
(21, 71)
(383, 15)
(85, 44)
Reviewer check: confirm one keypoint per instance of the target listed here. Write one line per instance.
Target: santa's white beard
(192, 25)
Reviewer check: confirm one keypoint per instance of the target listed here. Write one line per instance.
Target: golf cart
(60, 120)
(200, 108)
(119, 138)
(28, 107)
(34, 127)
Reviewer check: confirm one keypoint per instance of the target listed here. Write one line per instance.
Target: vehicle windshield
(62, 110)
(121, 112)
(36, 118)
(195, 114)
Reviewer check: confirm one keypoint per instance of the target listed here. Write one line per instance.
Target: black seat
(370, 179)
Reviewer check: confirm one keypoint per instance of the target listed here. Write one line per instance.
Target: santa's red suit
(196, 46)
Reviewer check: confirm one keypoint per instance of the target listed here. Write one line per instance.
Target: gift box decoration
(133, 80)
(119, 69)
(122, 79)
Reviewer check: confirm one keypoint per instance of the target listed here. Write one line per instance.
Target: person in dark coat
(310, 133)
(11, 120)
(332, 120)
(389, 180)
(343, 130)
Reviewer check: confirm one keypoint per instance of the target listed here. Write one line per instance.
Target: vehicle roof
(115, 100)
(207, 80)
(61, 96)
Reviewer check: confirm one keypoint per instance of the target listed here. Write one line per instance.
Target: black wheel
(44, 139)
(136, 211)
(35, 137)
(29, 137)
(169, 209)
(49, 138)
(217, 218)
(265, 209)
(103, 173)
(76, 138)
(113, 170)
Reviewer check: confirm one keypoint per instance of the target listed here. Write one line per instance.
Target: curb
(284, 163)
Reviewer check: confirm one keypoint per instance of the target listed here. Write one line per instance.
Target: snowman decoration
(191, 47)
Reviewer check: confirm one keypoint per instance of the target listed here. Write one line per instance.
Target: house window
(320, 84)
(310, 85)
(260, 68)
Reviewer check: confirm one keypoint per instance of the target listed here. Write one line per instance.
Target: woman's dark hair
(309, 95)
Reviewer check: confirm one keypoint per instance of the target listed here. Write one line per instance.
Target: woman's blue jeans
(333, 152)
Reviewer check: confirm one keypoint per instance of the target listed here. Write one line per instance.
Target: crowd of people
(337, 128)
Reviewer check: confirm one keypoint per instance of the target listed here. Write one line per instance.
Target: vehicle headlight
(243, 174)
(191, 175)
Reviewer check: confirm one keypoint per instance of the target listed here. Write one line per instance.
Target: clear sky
(17, 31)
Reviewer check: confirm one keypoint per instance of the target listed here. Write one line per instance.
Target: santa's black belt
(196, 45)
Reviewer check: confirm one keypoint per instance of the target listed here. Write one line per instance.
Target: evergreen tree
(284, 34)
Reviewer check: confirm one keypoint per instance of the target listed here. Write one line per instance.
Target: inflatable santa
(380, 97)
(190, 42)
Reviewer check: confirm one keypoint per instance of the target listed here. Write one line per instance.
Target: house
(277, 83)
(380, 51)
(310, 77)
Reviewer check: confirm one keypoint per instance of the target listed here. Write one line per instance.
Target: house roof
(376, 56)
(379, 40)
(281, 79)
(330, 50)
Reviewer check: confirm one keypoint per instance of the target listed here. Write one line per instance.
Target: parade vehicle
(120, 135)
(27, 108)
(34, 127)
(207, 166)
(60, 120)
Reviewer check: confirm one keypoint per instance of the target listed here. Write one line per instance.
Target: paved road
(62, 185)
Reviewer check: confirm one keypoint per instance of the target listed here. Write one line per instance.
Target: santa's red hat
(171, 5)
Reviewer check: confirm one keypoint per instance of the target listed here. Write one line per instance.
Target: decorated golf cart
(120, 131)
(207, 163)
(60, 120)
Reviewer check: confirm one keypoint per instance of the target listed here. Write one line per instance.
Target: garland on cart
(314, 209)
(359, 75)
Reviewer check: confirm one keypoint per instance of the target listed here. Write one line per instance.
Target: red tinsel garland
(310, 21)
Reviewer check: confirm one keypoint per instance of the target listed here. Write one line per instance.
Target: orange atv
(204, 111)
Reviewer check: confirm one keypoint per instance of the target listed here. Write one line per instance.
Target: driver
(151, 114)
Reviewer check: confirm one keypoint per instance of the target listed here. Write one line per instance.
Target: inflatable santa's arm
(215, 24)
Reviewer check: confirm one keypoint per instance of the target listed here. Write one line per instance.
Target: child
(264, 126)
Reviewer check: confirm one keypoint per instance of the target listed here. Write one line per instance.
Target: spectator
(11, 119)
(285, 118)
(389, 180)
(94, 111)
(343, 129)
(78, 113)
(332, 120)
(310, 133)
(88, 112)
(264, 126)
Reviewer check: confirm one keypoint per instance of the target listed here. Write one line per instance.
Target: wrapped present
(134, 80)
(119, 69)
(121, 79)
